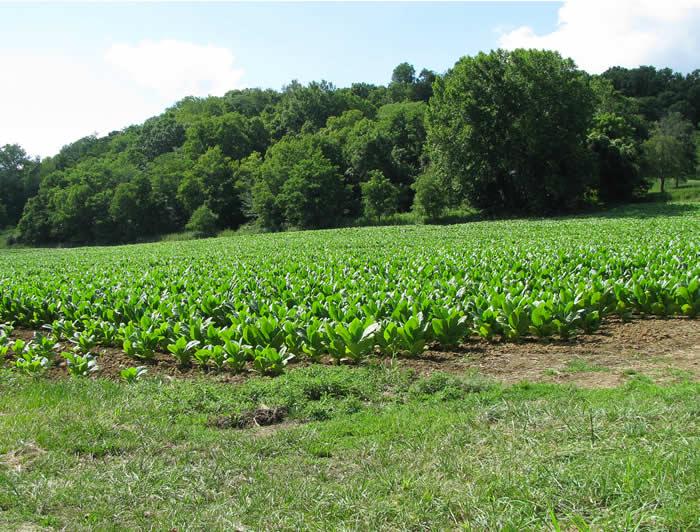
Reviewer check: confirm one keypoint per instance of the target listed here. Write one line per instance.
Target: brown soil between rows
(665, 350)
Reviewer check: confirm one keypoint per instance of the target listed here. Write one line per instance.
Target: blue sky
(83, 68)
(277, 42)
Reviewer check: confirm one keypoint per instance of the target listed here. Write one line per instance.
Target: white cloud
(599, 34)
(50, 99)
(176, 68)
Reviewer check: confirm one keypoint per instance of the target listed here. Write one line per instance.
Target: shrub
(203, 222)
(431, 195)
(379, 196)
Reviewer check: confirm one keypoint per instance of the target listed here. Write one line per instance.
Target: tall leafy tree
(203, 222)
(236, 135)
(131, 209)
(510, 128)
(211, 181)
(297, 185)
(423, 86)
(306, 107)
(665, 156)
(659, 91)
(677, 127)
(160, 135)
(312, 196)
(18, 182)
(392, 144)
(618, 158)
(166, 172)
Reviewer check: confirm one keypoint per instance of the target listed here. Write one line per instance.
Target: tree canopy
(509, 129)
(508, 132)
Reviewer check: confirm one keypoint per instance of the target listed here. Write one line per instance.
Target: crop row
(349, 294)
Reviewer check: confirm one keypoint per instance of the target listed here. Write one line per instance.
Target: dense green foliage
(347, 293)
(509, 130)
(521, 131)
(670, 150)
(379, 195)
(203, 221)
(657, 92)
(19, 180)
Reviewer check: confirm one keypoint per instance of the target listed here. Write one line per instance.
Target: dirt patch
(667, 350)
(21, 458)
(263, 416)
(111, 361)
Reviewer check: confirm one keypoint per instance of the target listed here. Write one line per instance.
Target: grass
(687, 191)
(576, 365)
(451, 216)
(362, 449)
(579, 365)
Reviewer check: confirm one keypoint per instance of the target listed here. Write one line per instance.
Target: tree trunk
(663, 180)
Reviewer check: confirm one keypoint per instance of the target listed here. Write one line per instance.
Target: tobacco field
(258, 302)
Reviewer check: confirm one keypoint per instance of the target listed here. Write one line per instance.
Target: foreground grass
(377, 449)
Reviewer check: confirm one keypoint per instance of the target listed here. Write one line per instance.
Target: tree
(392, 144)
(379, 196)
(423, 87)
(236, 135)
(510, 129)
(160, 135)
(35, 227)
(18, 182)
(165, 173)
(297, 185)
(75, 152)
(3, 216)
(203, 222)
(131, 211)
(659, 92)
(306, 108)
(403, 127)
(618, 158)
(73, 205)
(404, 73)
(663, 156)
(312, 196)
(697, 154)
(432, 196)
(402, 82)
(406, 86)
(250, 102)
(674, 125)
(214, 174)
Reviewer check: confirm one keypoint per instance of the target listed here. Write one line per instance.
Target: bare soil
(666, 350)
(263, 416)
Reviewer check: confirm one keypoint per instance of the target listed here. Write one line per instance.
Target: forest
(524, 132)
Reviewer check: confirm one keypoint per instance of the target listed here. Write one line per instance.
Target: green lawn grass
(363, 449)
(686, 191)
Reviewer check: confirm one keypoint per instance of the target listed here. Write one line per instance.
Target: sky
(71, 70)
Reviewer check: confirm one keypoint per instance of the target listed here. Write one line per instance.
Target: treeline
(506, 132)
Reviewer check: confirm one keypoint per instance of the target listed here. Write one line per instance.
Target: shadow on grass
(647, 209)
